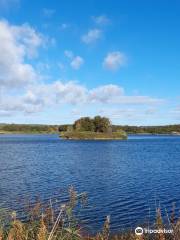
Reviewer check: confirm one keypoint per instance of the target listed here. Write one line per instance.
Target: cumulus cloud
(101, 20)
(68, 54)
(72, 92)
(41, 96)
(92, 36)
(114, 60)
(22, 92)
(17, 44)
(44, 95)
(28, 38)
(105, 93)
(77, 62)
(114, 94)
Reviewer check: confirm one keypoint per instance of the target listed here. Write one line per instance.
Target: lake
(125, 179)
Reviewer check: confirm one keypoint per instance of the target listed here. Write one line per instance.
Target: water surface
(124, 179)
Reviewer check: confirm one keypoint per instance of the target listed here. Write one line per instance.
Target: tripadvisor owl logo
(139, 231)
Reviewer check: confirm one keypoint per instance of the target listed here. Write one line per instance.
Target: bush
(45, 223)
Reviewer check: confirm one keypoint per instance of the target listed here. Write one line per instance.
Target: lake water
(124, 179)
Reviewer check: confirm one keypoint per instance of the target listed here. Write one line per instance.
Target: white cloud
(47, 12)
(38, 97)
(120, 113)
(114, 60)
(17, 44)
(77, 62)
(101, 20)
(68, 54)
(105, 93)
(5, 114)
(22, 92)
(28, 38)
(91, 36)
(114, 94)
(41, 96)
(133, 113)
(44, 95)
(43, 67)
(176, 112)
(135, 100)
(61, 66)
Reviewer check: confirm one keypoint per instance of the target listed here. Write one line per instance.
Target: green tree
(102, 124)
(84, 124)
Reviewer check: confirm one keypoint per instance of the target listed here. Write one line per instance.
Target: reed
(44, 223)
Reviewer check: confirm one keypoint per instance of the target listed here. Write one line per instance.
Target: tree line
(28, 128)
(167, 129)
(97, 124)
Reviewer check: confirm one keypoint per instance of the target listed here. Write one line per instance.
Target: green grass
(93, 135)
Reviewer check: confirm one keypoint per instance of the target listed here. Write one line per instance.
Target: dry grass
(44, 223)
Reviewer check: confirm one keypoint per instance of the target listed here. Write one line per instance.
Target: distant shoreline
(155, 134)
(45, 133)
(34, 133)
(57, 129)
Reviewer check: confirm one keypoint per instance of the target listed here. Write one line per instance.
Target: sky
(62, 60)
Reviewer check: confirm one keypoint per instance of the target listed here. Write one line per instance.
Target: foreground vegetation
(43, 222)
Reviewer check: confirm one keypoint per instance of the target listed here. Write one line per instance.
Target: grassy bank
(43, 222)
(93, 135)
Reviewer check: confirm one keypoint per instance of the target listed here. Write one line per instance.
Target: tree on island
(102, 124)
(84, 124)
(96, 124)
(97, 128)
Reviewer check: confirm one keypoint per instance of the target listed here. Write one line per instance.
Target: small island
(97, 128)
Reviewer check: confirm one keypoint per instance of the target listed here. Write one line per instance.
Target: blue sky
(61, 60)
